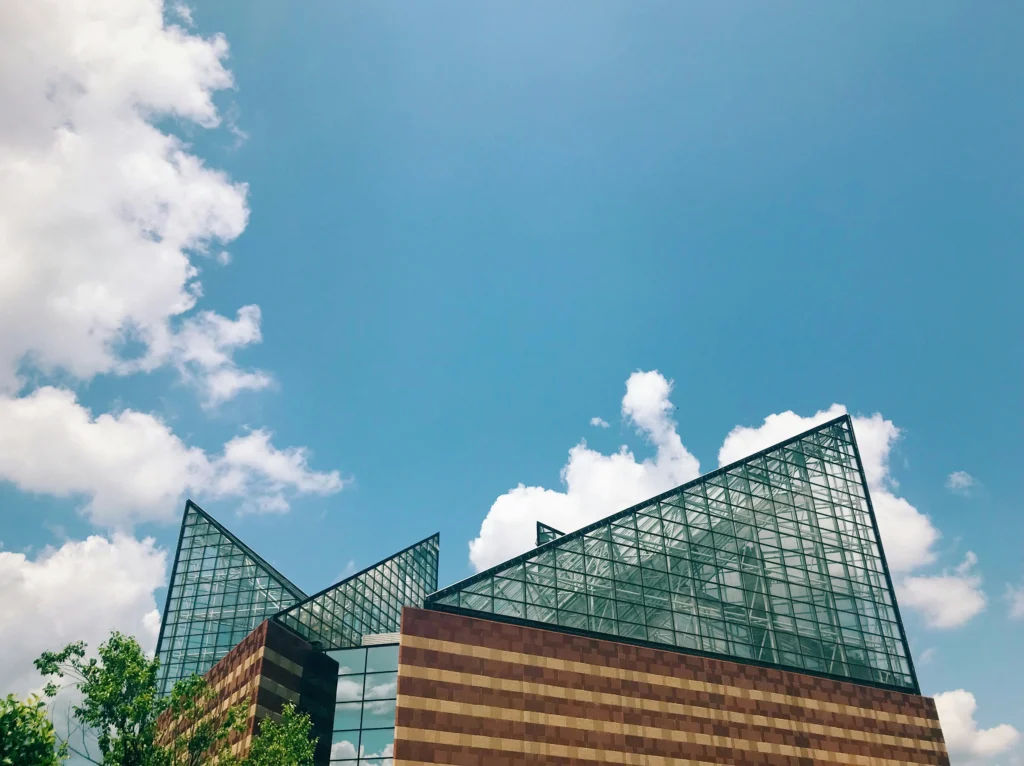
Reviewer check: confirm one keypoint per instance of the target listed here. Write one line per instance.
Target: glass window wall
(364, 716)
(774, 559)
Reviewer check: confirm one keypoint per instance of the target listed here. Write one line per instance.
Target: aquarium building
(746, 617)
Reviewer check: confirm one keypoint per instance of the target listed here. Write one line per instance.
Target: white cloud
(102, 214)
(183, 12)
(131, 467)
(1016, 598)
(964, 739)
(948, 600)
(80, 591)
(595, 484)
(202, 351)
(927, 656)
(599, 423)
(344, 749)
(907, 534)
(960, 482)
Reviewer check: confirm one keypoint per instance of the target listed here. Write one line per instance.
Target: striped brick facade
(269, 668)
(474, 692)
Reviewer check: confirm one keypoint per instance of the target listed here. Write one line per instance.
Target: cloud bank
(965, 741)
(107, 219)
(80, 591)
(130, 467)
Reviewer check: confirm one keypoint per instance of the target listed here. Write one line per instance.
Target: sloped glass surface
(219, 591)
(546, 534)
(368, 602)
(775, 559)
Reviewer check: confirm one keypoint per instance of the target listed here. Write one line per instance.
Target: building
(747, 617)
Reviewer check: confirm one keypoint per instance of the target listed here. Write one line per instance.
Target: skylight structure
(220, 590)
(368, 602)
(773, 560)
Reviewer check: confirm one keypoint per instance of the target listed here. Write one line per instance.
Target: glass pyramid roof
(546, 534)
(775, 560)
(368, 602)
(219, 591)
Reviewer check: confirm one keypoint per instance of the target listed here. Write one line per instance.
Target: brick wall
(474, 692)
(269, 668)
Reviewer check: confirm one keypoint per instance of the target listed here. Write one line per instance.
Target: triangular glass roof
(546, 534)
(368, 602)
(220, 589)
(775, 560)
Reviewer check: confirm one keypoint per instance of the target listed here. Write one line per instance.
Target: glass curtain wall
(774, 559)
(364, 716)
(219, 591)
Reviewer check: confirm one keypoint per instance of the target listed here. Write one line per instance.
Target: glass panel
(344, 745)
(377, 743)
(379, 714)
(347, 715)
(350, 688)
(381, 658)
(349, 660)
(780, 552)
(381, 685)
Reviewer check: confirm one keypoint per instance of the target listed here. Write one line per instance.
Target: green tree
(120, 709)
(27, 735)
(283, 743)
(119, 700)
(199, 732)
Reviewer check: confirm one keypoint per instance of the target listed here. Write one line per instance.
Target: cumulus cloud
(202, 351)
(907, 534)
(599, 423)
(104, 217)
(130, 466)
(183, 12)
(80, 591)
(595, 484)
(1016, 598)
(347, 750)
(964, 739)
(960, 482)
(948, 600)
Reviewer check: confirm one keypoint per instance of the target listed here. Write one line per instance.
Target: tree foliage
(119, 700)
(283, 743)
(120, 708)
(27, 735)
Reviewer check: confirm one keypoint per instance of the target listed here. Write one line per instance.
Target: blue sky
(466, 225)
